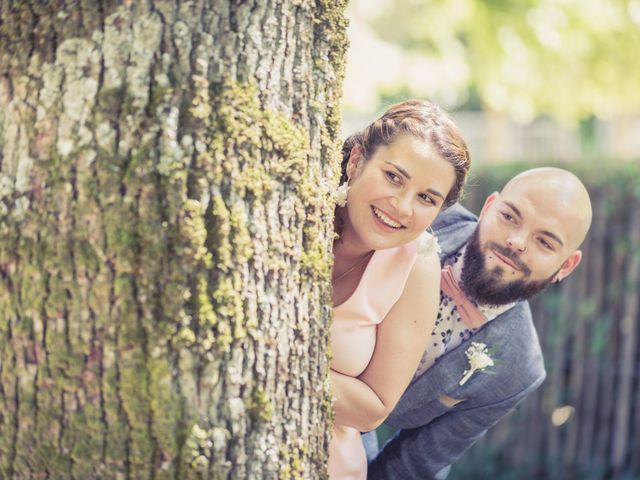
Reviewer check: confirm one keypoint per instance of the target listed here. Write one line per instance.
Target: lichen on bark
(165, 233)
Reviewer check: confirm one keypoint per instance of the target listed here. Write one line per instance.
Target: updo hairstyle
(420, 119)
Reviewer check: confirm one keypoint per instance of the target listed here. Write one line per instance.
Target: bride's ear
(355, 159)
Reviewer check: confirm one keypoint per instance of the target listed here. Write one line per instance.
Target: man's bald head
(563, 189)
(527, 237)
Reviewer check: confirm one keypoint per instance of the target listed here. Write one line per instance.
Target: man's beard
(488, 287)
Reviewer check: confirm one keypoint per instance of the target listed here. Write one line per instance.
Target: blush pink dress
(353, 339)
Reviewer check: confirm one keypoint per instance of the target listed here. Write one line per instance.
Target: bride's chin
(382, 242)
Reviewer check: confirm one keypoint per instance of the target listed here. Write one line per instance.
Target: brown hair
(422, 120)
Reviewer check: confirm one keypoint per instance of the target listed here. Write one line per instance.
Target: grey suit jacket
(433, 435)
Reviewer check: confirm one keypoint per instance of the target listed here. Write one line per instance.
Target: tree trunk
(165, 234)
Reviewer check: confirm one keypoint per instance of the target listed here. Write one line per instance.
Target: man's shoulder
(455, 215)
(453, 227)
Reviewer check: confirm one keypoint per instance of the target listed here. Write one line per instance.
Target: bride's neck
(347, 248)
(346, 251)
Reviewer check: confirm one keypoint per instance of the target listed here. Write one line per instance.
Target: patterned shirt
(450, 331)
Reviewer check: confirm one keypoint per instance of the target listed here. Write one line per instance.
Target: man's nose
(517, 240)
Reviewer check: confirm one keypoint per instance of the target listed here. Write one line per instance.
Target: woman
(396, 176)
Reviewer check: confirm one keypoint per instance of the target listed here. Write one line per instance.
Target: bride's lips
(382, 223)
(505, 260)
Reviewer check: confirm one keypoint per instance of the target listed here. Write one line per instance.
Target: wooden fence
(584, 422)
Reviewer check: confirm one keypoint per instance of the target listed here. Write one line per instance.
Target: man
(526, 238)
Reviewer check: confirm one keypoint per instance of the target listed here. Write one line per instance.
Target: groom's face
(491, 284)
(523, 242)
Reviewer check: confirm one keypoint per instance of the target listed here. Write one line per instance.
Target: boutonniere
(479, 359)
(428, 244)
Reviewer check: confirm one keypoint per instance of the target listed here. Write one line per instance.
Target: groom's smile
(509, 258)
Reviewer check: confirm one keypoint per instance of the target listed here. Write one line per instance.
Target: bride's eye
(427, 199)
(393, 177)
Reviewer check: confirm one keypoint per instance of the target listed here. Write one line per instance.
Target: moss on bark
(165, 233)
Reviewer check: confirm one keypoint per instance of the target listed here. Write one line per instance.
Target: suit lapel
(447, 372)
(443, 377)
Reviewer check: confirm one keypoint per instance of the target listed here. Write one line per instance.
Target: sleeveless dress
(353, 339)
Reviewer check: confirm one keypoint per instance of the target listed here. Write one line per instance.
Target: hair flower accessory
(479, 359)
(428, 244)
(341, 194)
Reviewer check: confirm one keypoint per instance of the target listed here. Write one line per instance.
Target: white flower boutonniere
(479, 359)
(428, 244)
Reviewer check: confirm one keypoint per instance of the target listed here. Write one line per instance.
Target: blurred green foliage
(610, 179)
(570, 59)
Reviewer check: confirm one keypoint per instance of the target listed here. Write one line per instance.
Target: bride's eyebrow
(436, 193)
(400, 169)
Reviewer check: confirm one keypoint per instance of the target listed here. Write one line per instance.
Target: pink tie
(467, 310)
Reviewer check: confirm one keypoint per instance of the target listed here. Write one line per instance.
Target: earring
(341, 194)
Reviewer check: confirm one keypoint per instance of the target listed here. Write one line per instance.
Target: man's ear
(568, 265)
(490, 199)
(355, 158)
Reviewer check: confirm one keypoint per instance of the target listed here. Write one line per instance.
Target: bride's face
(396, 194)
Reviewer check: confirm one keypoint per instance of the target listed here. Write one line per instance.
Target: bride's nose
(403, 205)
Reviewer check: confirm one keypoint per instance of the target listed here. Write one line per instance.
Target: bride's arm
(356, 404)
(402, 338)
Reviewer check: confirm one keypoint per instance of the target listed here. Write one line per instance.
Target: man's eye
(545, 244)
(508, 217)
(393, 176)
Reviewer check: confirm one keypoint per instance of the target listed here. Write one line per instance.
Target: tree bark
(165, 235)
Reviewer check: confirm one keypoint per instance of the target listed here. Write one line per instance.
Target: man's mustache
(511, 255)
